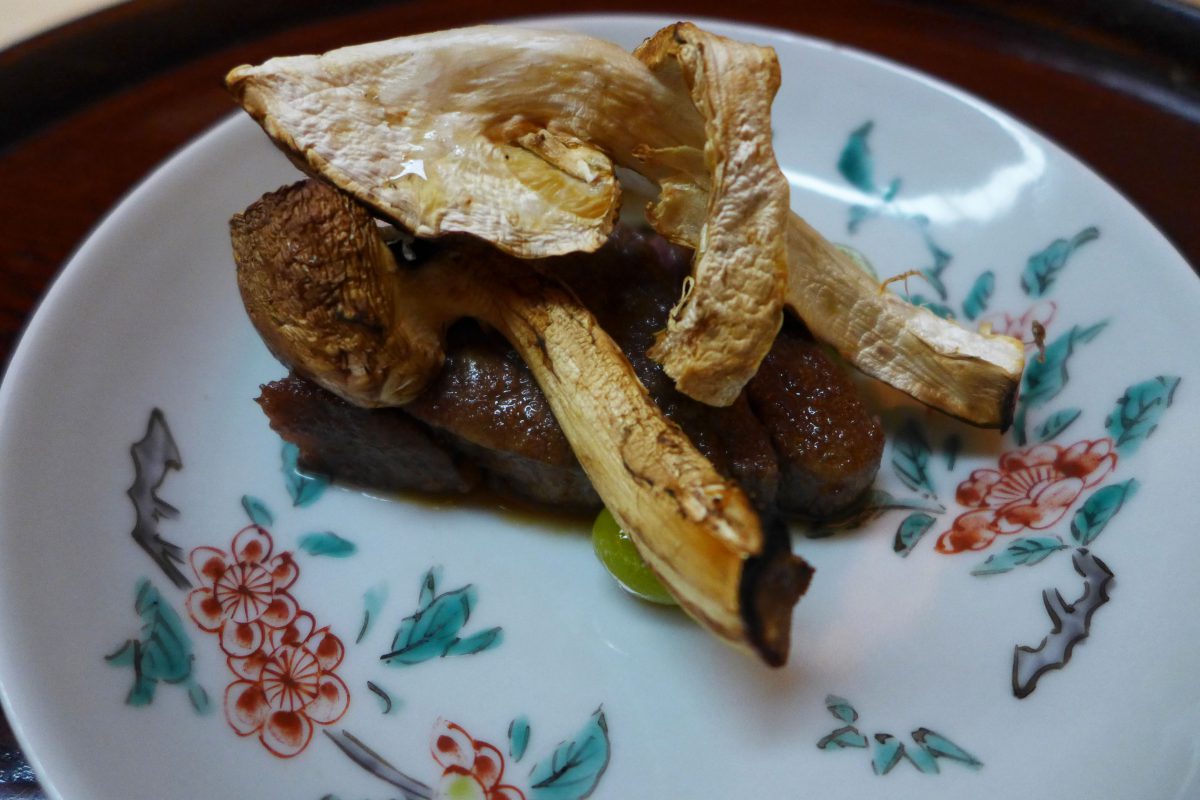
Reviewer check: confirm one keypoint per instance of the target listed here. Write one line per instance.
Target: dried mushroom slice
(970, 375)
(502, 133)
(507, 134)
(728, 317)
(696, 529)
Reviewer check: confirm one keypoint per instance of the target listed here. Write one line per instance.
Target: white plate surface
(902, 681)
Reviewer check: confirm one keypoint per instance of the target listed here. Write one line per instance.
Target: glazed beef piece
(799, 440)
(383, 449)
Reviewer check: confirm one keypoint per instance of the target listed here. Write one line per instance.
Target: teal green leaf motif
(258, 512)
(1099, 509)
(950, 449)
(855, 163)
(888, 752)
(1045, 378)
(923, 753)
(977, 299)
(161, 653)
(910, 458)
(1024, 552)
(1055, 424)
(941, 747)
(1043, 267)
(373, 600)
(842, 738)
(303, 487)
(574, 769)
(518, 738)
(840, 708)
(433, 631)
(327, 543)
(1137, 412)
(910, 532)
(475, 643)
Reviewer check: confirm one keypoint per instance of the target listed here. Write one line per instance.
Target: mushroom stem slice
(696, 529)
(967, 374)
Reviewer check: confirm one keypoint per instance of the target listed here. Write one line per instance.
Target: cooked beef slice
(799, 440)
(383, 449)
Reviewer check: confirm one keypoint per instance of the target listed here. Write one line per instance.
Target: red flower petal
(1037, 456)
(248, 667)
(286, 733)
(204, 609)
(489, 764)
(251, 545)
(331, 702)
(284, 570)
(280, 611)
(295, 633)
(971, 531)
(452, 746)
(1090, 461)
(506, 793)
(245, 707)
(208, 563)
(973, 492)
(327, 648)
(241, 638)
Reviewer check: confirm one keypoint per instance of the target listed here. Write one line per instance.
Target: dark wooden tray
(93, 106)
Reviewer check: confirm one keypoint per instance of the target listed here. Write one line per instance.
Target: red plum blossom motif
(471, 769)
(1033, 488)
(284, 664)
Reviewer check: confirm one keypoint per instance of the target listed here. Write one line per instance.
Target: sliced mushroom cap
(485, 130)
(507, 134)
(695, 528)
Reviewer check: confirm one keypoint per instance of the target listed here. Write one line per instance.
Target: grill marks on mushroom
(694, 527)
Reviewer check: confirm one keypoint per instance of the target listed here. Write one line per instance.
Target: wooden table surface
(92, 107)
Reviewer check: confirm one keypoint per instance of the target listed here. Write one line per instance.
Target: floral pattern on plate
(284, 665)
(473, 769)
(1035, 485)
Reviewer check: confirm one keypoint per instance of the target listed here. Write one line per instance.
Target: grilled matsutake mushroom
(487, 131)
(507, 134)
(331, 302)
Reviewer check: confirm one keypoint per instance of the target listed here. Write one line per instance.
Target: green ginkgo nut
(620, 557)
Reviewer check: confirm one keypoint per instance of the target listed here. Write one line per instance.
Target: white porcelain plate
(1016, 616)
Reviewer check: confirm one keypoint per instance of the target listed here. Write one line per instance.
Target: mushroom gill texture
(696, 529)
(511, 135)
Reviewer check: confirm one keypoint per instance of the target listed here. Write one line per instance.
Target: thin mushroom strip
(332, 303)
(714, 339)
(970, 375)
(511, 135)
